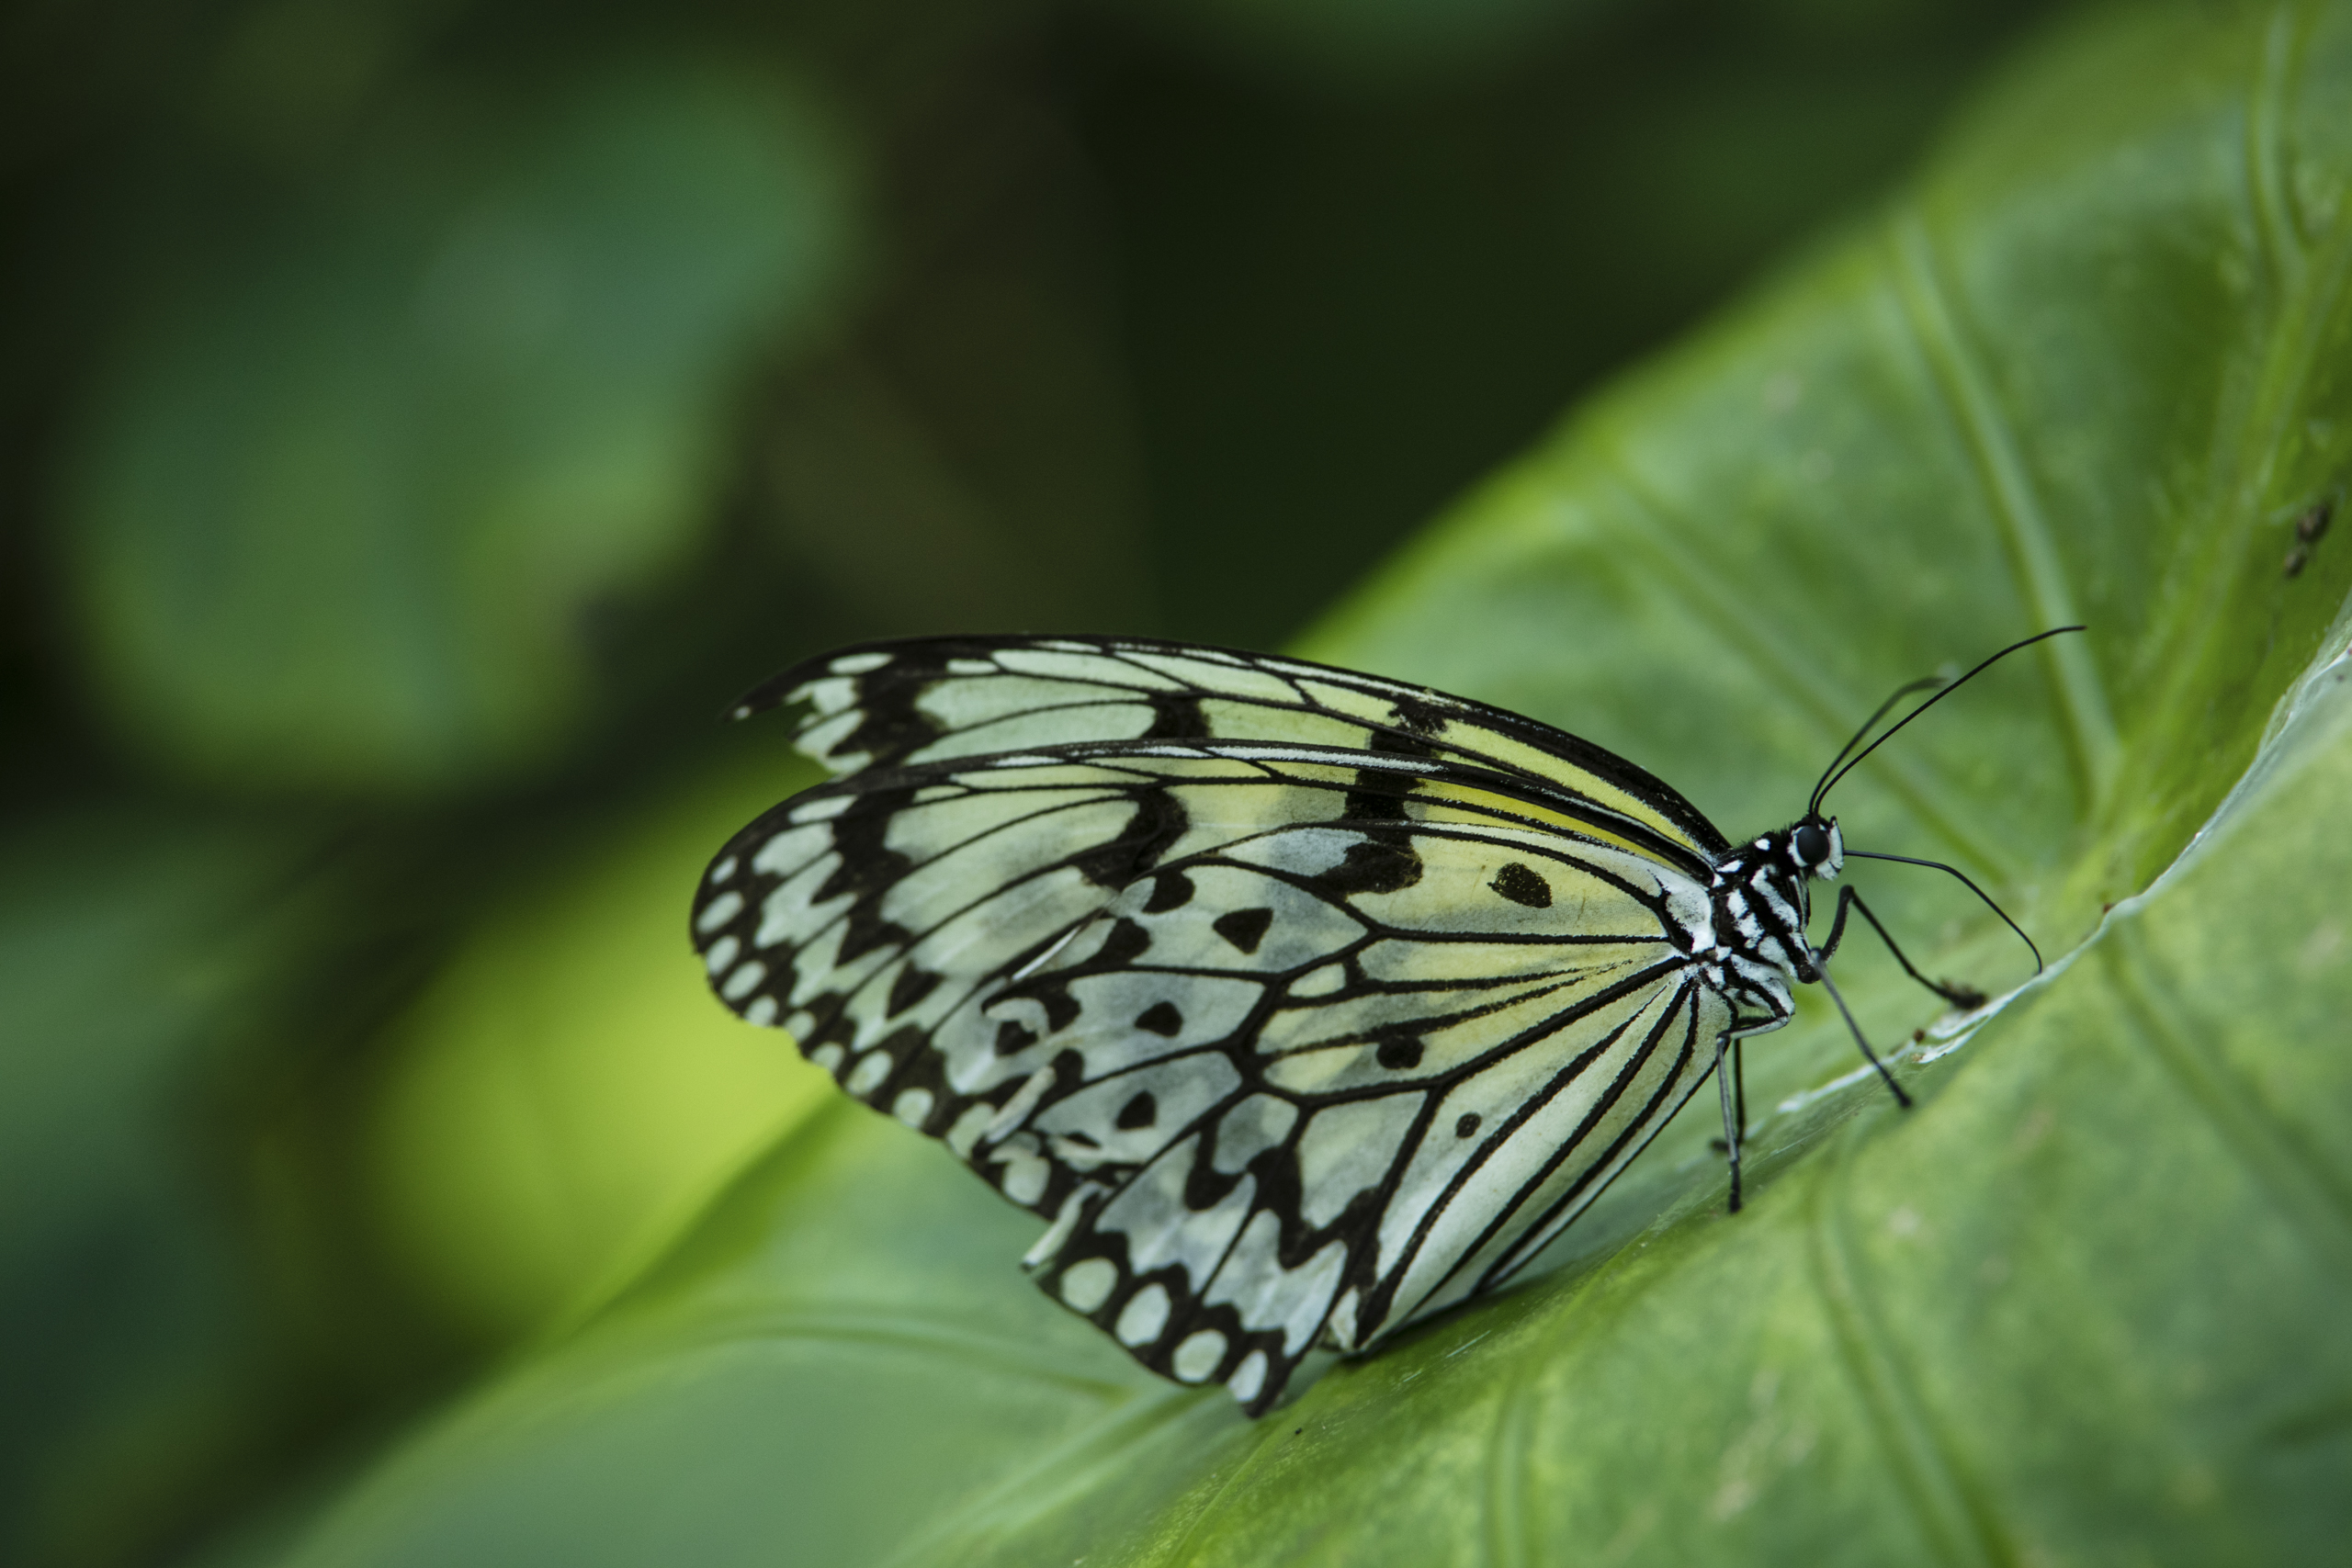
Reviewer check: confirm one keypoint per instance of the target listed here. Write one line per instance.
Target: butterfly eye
(1812, 845)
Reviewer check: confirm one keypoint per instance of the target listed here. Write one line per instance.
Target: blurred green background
(423, 418)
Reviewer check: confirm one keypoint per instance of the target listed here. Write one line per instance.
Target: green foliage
(562, 1095)
(1372, 44)
(2077, 1308)
(367, 461)
(402, 432)
(136, 944)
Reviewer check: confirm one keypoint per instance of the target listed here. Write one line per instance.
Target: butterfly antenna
(1822, 791)
(1939, 865)
(1813, 802)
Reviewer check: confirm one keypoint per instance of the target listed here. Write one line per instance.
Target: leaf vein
(2316, 1201)
(1065, 1471)
(1998, 459)
(2266, 162)
(894, 1328)
(1956, 1524)
(1510, 1531)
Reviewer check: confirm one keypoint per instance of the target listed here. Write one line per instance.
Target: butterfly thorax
(1753, 943)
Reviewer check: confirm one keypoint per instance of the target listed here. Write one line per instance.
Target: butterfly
(1300, 1002)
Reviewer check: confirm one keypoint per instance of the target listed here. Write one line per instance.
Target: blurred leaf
(564, 1091)
(2079, 1306)
(346, 498)
(1373, 43)
(1346, 307)
(136, 944)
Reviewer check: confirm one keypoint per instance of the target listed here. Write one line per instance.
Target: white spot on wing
(1025, 1170)
(912, 1107)
(1198, 1356)
(718, 912)
(869, 1073)
(1145, 1313)
(858, 663)
(1248, 1378)
(968, 1127)
(721, 954)
(744, 981)
(1087, 1285)
(761, 1011)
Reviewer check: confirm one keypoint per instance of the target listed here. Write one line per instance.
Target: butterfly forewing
(933, 699)
(1294, 1029)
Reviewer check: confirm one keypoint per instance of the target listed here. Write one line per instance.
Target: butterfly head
(1812, 848)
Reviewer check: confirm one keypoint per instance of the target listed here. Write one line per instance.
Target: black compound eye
(1811, 844)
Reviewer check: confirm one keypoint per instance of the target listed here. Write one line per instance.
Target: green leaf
(343, 501)
(144, 1371)
(2079, 1305)
(563, 1095)
(1372, 44)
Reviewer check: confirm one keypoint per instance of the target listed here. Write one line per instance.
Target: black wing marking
(925, 700)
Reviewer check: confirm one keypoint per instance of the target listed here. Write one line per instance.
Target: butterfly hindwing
(1290, 1042)
(1336, 1168)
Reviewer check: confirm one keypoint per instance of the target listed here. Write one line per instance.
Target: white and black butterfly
(1303, 1003)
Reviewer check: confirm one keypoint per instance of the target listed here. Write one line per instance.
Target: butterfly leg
(1738, 1094)
(1739, 1085)
(1869, 1056)
(1732, 1129)
(1965, 996)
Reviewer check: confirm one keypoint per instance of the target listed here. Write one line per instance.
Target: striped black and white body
(1299, 1002)
(1760, 902)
